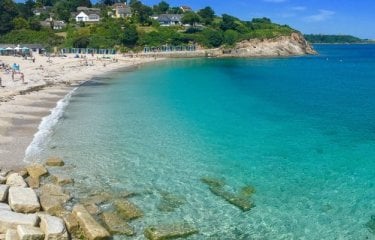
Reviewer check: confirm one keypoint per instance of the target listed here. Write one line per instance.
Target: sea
(294, 136)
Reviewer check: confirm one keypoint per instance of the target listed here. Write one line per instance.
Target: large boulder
(91, 228)
(23, 200)
(52, 199)
(3, 192)
(53, 227)
(127, 209)
(36, 170)
(72, 225)
(61, 179)
(10, 220)
(26, 232)
(170, 231)
(16, 180)
(11, 234)
(116, 225)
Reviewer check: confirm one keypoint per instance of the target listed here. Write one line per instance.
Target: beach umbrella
(8, 48)
(17, 48)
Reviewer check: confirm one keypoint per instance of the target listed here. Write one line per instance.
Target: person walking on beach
(1, 83)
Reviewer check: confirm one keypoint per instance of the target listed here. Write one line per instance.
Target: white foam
(46, 127)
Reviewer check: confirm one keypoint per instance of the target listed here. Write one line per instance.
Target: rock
(23, 173)
(11, 220)
(2, 236)
(33, 182)
(170, 202)
(36, 171)
(55, 162)
(170, 231)
(98, 198)
(91, 228)
(53, 227)
(23, 200)
(52, 199)
(213, 182)
(127, 209)
(116, 225)
(247, 191)
(2, 179)
(5, 207)
(11, 234)
(243, 203)
(93, 209)
(61, 179)
(371, 224)
(15, 180)
(71, 224)
(4, 193)
(29, 233)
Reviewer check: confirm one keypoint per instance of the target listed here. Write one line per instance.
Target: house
(54, 24)
(89, 15)
(120, 10)
(42, 10)
(169, 19)
(186, 9)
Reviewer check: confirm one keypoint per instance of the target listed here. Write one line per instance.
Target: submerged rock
(52, 199)
(240, 200)
(170, 231)
(116, 225)
(91, 228)
(213, 182)
(36, 171)
(243, 203)
(61, 179)
(72, 225)
(127, 209)
(55, 162)
(170, 202)
(371, 224)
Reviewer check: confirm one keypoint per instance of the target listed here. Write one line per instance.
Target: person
(23, 78)
(1, 84)
(13, 75)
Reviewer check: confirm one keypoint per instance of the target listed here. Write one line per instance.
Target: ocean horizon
(298, 130)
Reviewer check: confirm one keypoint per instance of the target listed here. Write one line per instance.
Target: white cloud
(275, 1)
(321, 16)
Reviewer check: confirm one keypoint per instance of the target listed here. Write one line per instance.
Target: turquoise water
(300, 130)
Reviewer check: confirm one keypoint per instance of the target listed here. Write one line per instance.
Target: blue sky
(355, 17)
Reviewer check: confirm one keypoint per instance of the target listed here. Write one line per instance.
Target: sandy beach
(28, 95)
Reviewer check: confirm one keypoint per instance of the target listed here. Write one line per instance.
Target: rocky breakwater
(293, 45)
(35, 204)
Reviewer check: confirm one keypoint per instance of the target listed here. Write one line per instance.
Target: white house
(87, 15)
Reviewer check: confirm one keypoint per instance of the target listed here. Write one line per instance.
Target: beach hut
(2, 51)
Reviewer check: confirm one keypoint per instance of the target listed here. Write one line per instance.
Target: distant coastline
(336, 39)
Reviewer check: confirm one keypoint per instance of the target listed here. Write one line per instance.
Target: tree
(175, 10)
(8, 11)
(230, 37)
(191, 18)
(62, 10)
(212, 38)
(130, 36)
(141, 13)
(229, 22)
(34, 24)
(207, 14)
(162, 7)
(20, 23)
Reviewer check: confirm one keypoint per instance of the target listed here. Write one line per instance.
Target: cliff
(293, 45)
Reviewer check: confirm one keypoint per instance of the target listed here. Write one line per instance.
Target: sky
(354, 17)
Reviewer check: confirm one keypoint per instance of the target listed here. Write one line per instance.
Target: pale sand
(21, 112)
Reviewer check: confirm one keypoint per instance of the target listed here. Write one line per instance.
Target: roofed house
(121, 10)
(54, 24)
(42, 10)
(169, 19)
(186, 9)
(85, 14)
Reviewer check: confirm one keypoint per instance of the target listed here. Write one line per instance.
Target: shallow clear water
(300, 130)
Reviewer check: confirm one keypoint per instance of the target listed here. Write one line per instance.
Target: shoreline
(24, 106)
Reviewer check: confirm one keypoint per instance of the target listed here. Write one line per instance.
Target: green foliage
(34, 24)
(141, 13)
(162, 7)
(191, 18)
(230, 37)
(20, 23)
(211, 38)
(130, 35)
(207, 14)
(228, 22)
(318, 38)
(8, 11)
(47, 37)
